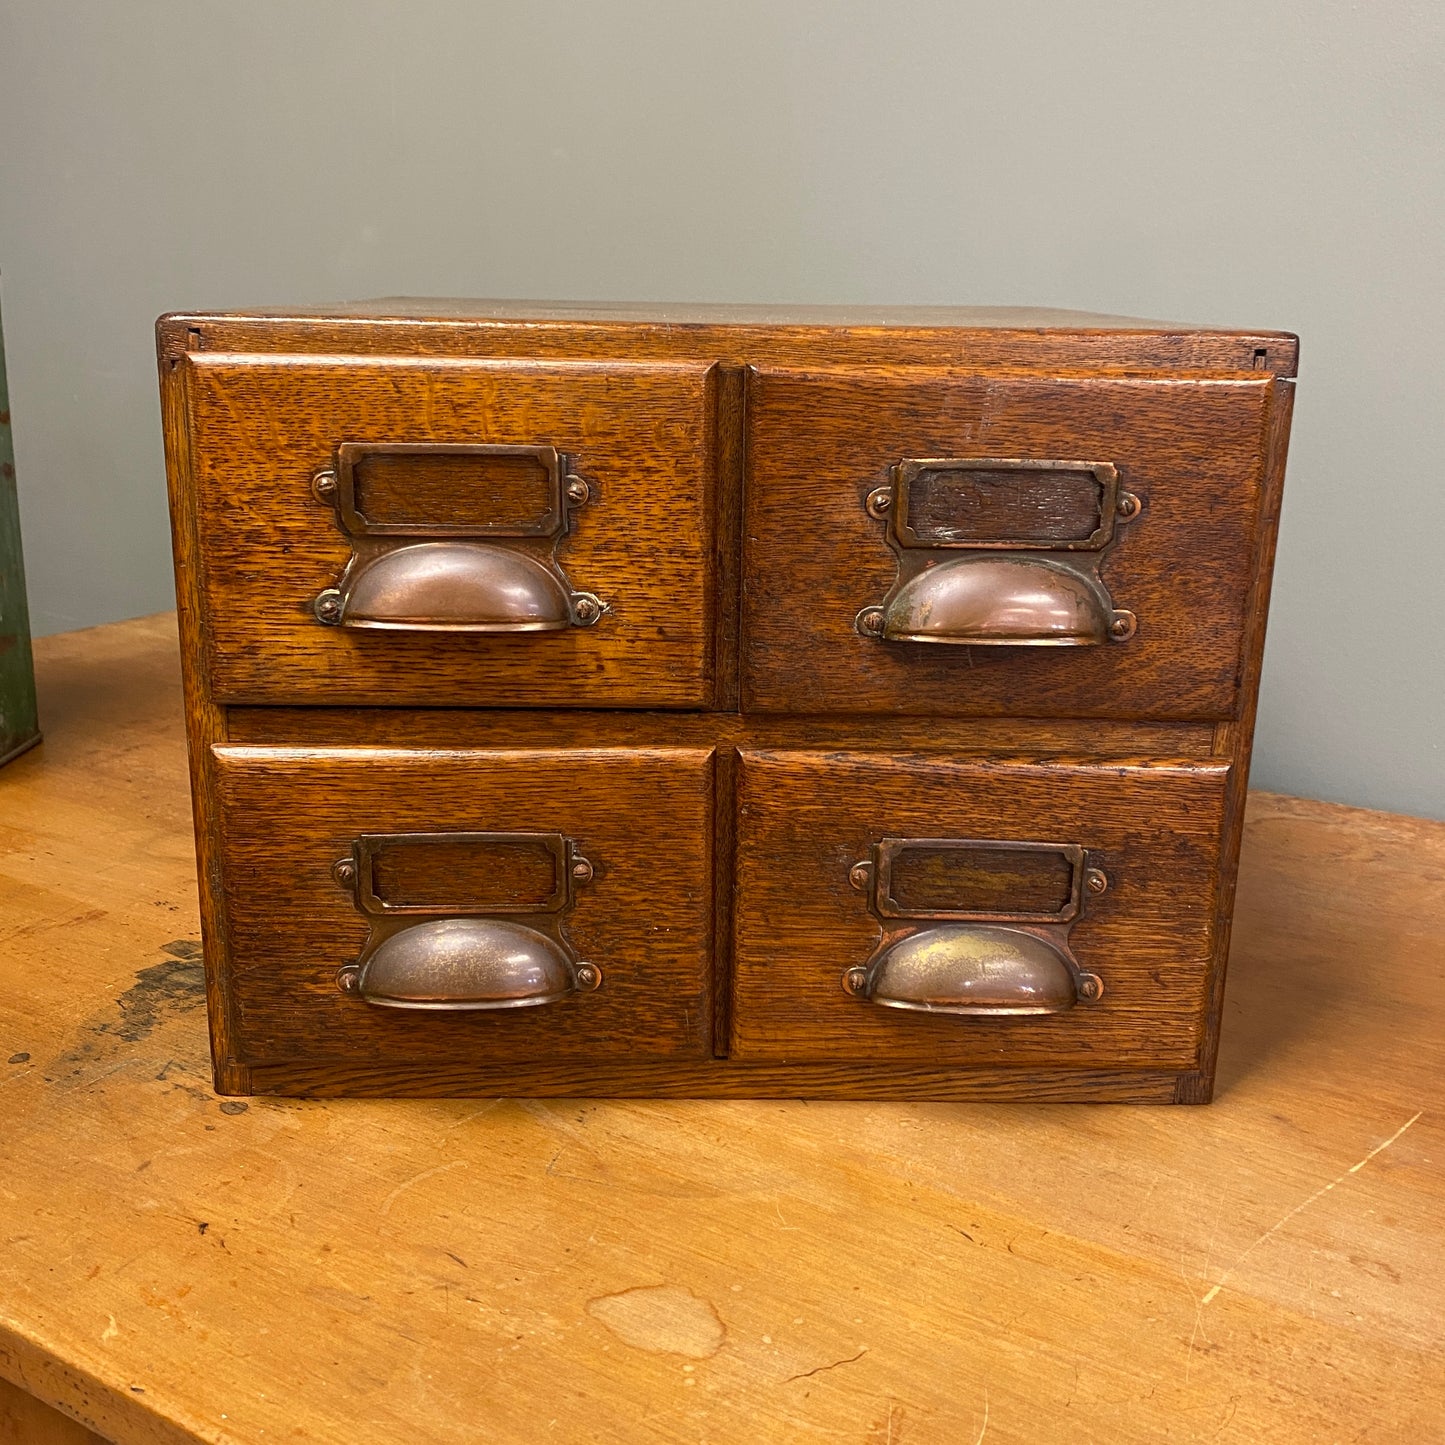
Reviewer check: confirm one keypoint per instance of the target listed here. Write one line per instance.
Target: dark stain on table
(162, 991)
(172, 986)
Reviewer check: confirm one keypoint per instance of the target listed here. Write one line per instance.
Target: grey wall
(1231, 161)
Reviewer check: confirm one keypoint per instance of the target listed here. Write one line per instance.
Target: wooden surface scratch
(1305, 1204)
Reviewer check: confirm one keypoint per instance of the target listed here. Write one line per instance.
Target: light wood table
(176, 1267)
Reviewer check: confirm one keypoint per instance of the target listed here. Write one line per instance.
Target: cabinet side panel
(1236, 740)
(205, 722)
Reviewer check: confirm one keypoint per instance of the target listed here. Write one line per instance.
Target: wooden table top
(178, 1267)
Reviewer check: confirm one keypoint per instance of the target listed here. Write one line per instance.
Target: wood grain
(262, 427)
(741, 335)
(451, 728)
(286, 815)
(819, 442)
(727, 533)
(719, 501)
(1001, 504)
(723, 1078)
(643, 818)
(24, 1420)
(1236, 738)
(205, 720)
(804, 819)
(442, 1272)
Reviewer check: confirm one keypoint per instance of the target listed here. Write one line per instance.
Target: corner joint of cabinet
(176, 338)
(1195, 1088)
(231, 1077)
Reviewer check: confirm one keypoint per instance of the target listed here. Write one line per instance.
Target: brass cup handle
(1000, 602)
(456, 587)
(487, 946)
(467, 964)
(968, 968)
(975, 926)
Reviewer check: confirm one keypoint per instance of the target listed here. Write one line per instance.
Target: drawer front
(408, 908)
(403, 530)
(916, 910)
(935, 542)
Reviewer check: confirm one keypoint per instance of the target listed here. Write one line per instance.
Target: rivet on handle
(328, 607)
(880, 501)
(870, 622)
(586, 609)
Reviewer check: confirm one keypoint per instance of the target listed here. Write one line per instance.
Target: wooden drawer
(375, 899)
(948, 912)
(413, 530)
(963, 515)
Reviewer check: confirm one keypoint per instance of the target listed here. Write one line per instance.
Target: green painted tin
(19, 725)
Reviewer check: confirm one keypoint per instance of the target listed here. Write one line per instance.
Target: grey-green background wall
(1267, 163)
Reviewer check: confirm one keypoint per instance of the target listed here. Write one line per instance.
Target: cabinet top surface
(694, 313)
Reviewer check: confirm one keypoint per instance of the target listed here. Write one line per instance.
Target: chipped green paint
(19, 727)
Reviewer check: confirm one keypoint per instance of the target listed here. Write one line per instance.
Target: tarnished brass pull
(973, 926)
(968, 534)
(453, 538)
(495, 943)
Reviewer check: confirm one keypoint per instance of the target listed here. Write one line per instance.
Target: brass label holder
(497, 576)
(465, 955)
(990, 961)
(1007, 589)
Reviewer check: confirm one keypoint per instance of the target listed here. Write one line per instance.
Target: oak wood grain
(805, 818)
(1236, 738)
(24, 1420)
(722, 1078)
(256, 403)
(453, 728)
(260, 428)
(643, 818)
(441, 1271)
(820, 442)
(741, 335)
(205, 719)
